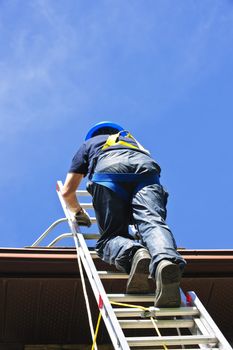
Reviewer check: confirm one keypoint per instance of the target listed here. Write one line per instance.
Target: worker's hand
(82, 218)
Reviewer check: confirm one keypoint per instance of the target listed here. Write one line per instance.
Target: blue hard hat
(102, 125)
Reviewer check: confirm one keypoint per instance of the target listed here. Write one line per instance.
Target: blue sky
(163, 69)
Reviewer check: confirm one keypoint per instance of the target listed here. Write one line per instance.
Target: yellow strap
(113, 141)
(96, 331)
(123, 143)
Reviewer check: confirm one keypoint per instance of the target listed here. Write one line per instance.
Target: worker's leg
(116, 246)
(149, 213)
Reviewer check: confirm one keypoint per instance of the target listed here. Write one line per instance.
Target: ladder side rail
(198, 328)
(209, 323)
(111, 322)
(194, 329)
(85, 291)
(202, 330)
(107, 312)
(46, 232)
(115, 331)
(73, 230)
(74, 233)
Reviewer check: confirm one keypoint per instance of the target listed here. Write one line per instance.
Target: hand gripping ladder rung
(192, 316)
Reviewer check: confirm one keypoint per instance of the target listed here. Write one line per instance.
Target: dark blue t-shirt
(83, 160)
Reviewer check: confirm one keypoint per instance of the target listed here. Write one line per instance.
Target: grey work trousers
(146, 210)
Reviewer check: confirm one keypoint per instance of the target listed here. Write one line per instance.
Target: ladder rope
(130, 305)
(96, 331)
(153, 320)
(85, 291)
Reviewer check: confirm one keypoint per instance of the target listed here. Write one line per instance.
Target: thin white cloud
(58, 61)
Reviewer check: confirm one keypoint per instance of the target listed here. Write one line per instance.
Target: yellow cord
(96, 331)
(157, 330)
(144, 309)
(132, 306)
(129, 305)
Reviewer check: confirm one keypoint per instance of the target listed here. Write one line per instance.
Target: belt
(113, 182)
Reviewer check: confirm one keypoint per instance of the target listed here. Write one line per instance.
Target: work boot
(168, 276)
(138, 282)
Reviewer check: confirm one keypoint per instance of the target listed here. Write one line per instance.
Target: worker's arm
(69, 191)
(69, 194)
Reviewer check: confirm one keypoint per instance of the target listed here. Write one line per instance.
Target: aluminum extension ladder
(187, 327)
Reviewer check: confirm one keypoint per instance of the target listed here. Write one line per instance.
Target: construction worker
(124, 182)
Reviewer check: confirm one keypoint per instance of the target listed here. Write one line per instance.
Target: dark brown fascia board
(63, 262)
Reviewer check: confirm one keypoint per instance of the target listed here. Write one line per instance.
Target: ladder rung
(171, 340)
(93, 254)
(91, 235)
(128, 324)
(83, 193)
(112, 275)
(132, 297)
(87, 205)
(137, 312)
(172, 348)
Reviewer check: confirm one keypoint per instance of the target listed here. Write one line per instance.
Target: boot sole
(168, 285)
(138, 282)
